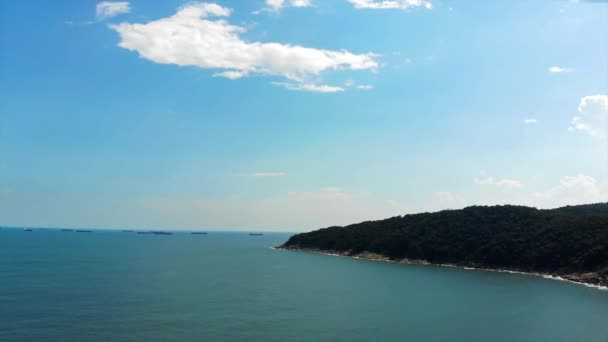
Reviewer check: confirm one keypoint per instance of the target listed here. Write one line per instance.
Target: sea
(231, 286)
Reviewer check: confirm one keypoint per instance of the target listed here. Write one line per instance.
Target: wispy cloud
(232, 74)
(301, 3)
(508, 183)
(108, 9)
(558, 70)
(530, 121)
(276, 5)
(104, 10)
(505, 183)
(317, 88)
(352, 84)
(391, 4)
(189, 38)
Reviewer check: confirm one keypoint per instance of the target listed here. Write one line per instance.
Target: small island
(569, 242)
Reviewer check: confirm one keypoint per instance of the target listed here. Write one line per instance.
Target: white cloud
(301, 3)
(108, 9)
(276, 5)
(557, 70)
(592, 116)
(571, 190)
(391, 4)
(508, 184)
(268, 174)
(322, 88)
(189, 38)
(231, 74)
(505, 183)
(530, 121)
(365, 87)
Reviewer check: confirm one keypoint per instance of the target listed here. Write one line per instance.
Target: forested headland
(571, 242)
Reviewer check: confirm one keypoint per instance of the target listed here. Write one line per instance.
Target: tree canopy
(572, 239)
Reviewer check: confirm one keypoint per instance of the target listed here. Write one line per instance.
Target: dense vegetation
(568, 240)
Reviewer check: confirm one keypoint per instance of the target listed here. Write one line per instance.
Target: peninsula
(569, 242)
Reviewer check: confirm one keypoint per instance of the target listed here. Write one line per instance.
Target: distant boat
(83, 231)
(162, 233)
(256, 234)
(199, 233)
(67, 230)
(27, 229)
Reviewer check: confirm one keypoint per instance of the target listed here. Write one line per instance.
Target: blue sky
(293, 115)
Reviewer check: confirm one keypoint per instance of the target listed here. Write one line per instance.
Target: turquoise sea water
(114, 286)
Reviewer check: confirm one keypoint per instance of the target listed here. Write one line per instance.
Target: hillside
(571, 242)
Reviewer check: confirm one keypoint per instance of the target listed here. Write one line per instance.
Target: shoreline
(378, 257)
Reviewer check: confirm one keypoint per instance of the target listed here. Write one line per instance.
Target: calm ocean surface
(114, 286)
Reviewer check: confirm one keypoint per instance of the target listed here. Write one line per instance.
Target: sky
(297, 114)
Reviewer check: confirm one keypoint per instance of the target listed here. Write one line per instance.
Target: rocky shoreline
(590, 279)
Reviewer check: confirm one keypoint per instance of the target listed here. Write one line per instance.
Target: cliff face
(571, 242)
